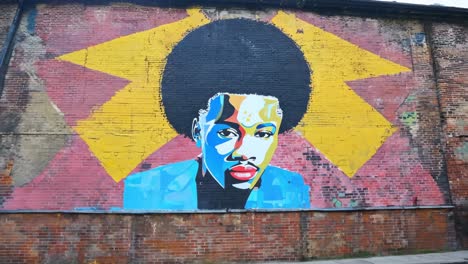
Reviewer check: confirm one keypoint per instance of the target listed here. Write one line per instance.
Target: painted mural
(202, 110)
(233, 64)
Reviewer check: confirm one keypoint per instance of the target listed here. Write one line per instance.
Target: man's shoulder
(273, 173)
(167, 187)
(280, 188)
(186, 168)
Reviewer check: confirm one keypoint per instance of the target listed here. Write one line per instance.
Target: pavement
(453, 257)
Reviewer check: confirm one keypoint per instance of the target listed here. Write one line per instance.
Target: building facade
(152, 131)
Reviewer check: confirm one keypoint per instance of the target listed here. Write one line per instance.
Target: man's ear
(196, 132)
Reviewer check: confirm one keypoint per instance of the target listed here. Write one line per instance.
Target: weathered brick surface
(450, 47)
(44, 98)
(44, 164)
(7, 12)
(234, 237)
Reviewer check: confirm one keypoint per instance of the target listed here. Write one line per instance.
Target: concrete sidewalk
(454, 257)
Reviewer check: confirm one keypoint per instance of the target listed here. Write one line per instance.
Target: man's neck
(212, 196)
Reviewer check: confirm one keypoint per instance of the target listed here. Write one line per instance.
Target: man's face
(238, 136)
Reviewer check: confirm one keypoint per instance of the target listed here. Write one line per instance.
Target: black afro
(234, 56)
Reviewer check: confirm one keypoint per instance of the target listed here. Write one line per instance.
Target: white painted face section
(254, 147)
(249, 110)
(226, 147)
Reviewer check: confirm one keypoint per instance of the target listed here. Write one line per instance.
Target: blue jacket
(173, 187)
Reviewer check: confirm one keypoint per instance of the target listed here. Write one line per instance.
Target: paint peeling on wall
(462, 152)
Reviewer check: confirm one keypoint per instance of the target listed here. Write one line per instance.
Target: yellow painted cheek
(269, 113)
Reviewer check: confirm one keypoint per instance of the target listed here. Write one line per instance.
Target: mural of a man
(233, 86)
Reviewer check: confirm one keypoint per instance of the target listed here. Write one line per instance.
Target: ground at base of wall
(453, 257)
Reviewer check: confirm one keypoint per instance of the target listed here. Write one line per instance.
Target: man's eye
(227, 133)
(263, 134)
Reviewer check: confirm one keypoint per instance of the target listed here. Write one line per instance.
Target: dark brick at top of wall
(7, 13)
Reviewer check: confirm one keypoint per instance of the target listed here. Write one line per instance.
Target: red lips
(243, 172)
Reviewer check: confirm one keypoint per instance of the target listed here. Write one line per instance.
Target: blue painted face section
(216, 105)
(214, 161)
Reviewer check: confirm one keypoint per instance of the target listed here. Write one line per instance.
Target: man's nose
(243, 150)
(241, 157)
(237, 156)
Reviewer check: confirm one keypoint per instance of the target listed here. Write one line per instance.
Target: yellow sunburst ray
(131, 125)
(338, 122)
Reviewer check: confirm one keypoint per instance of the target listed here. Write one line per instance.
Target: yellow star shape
(131, 125)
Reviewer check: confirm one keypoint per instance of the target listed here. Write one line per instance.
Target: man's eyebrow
(231, 124)
(267, 125)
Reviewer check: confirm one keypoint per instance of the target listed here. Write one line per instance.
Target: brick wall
(7, 12)
(450, 48)
(45, 164)
(212, 237)
(387, 154)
